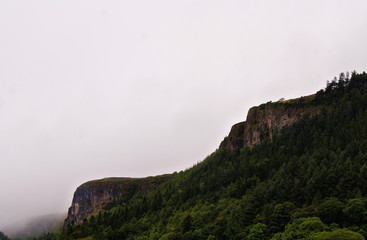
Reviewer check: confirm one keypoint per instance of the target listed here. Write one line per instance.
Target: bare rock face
(263, 122)
(92, 196)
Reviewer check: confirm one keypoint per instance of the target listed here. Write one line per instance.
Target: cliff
(92, 196)
(266, 120)
(262, 122)
(312, 162)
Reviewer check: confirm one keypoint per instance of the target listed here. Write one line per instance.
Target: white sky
(92, 89)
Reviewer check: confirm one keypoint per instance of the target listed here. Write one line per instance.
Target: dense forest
(307, 182)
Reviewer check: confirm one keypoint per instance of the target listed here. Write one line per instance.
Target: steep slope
(263, 122)
(308, 181)
(92, 196)
(266, 120)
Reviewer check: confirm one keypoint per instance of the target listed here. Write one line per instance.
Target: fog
(35, 226)
(92, 89)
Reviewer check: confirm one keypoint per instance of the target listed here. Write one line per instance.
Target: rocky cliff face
(263, 122)
(92, 196)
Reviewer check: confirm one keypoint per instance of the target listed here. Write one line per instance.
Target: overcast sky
(92, 89)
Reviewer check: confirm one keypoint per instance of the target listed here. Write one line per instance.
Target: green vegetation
(308, 182)
(148, 181)
(3, 236)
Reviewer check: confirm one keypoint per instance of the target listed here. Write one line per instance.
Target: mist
(93, 89)
(35, 226)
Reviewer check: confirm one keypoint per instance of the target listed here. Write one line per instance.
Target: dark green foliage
(331, 210)
(258, 231)
(3, 236)
(339, 234)
(302, 228)
(315, 229)
(309, 181)
(186, 224)
(355, 211)
(281, 216)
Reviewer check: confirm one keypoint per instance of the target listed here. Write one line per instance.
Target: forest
(307, 182)
(3, 236)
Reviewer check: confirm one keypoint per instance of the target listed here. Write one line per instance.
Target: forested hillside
(307, 182)
(3, 236)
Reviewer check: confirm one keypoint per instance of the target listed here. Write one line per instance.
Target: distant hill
(295, 169)
(35, 226)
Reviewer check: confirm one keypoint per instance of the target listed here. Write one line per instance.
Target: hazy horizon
(93, 89)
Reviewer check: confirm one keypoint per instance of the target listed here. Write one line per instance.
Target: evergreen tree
(3, 236)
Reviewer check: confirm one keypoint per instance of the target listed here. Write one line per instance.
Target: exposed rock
(264, 121)
(92, 196)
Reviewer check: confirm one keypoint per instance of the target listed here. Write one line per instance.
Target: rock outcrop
(264, 121)
(92, 196)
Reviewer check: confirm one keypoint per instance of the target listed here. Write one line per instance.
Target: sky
(92, 89)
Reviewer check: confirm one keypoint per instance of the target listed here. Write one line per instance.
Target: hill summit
(294, 169)
(266, 120)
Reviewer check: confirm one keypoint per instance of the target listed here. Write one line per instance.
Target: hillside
(265, 121)
(303, 177)
(35, 226)
(92, 196)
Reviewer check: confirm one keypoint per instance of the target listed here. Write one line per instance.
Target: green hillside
(308, 182)
(3, 236)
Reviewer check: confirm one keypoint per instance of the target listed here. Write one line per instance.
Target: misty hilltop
(98, 89)
(295, 169)
(36, 226)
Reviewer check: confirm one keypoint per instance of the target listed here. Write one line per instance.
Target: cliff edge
(266, 120)
(92, 196)
(262, 122)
